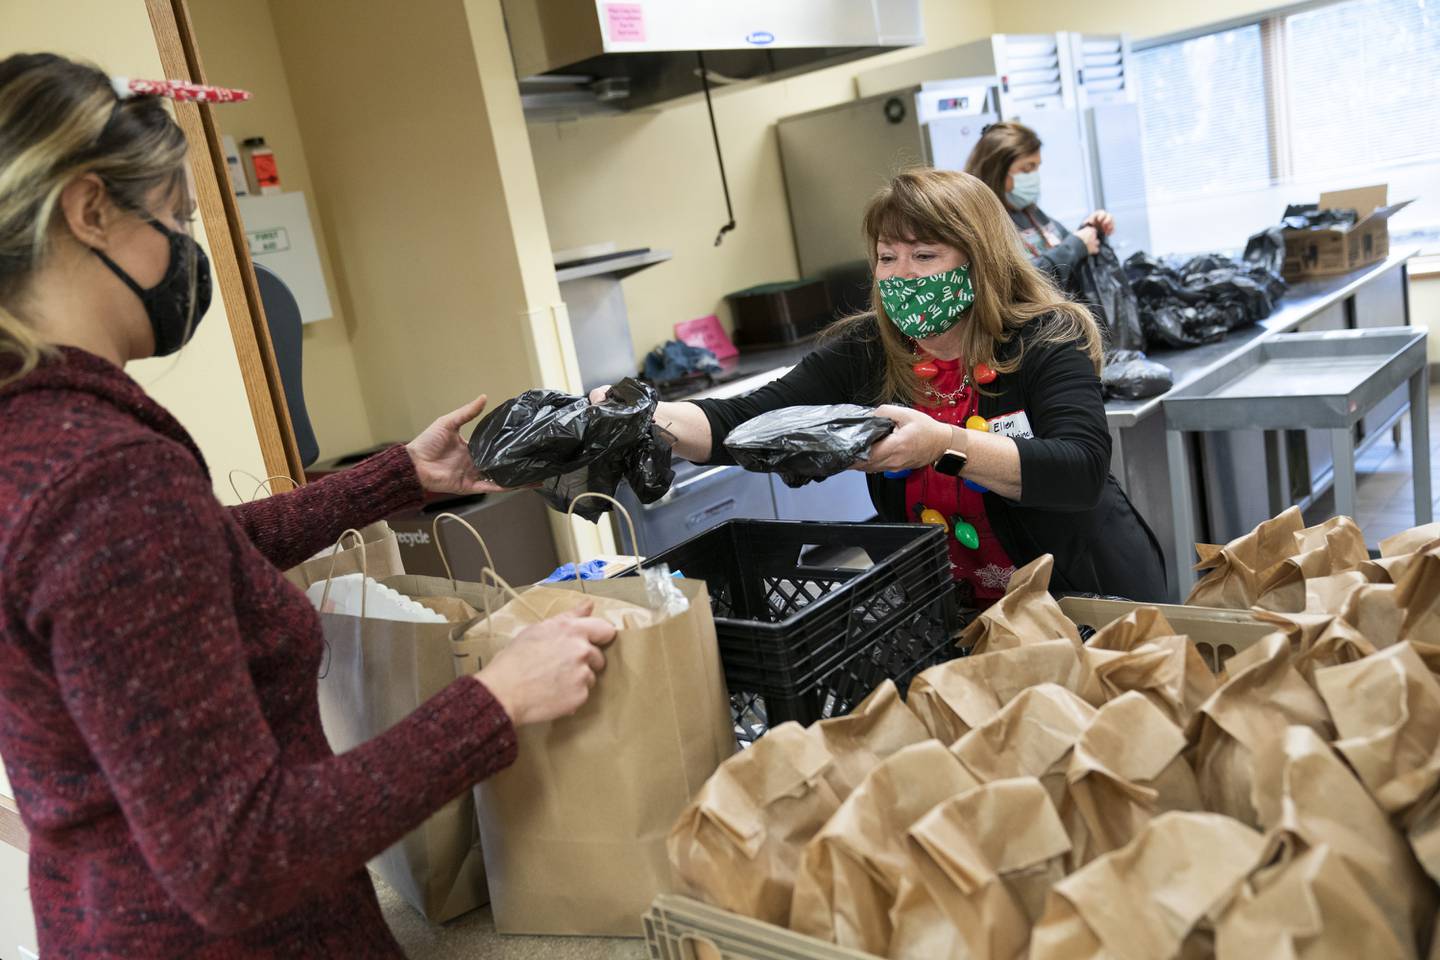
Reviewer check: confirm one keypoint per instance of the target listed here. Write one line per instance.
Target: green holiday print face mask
(928, 306)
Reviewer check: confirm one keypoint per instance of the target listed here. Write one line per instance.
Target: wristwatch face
(951, 462)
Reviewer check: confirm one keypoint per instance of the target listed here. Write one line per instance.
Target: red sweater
(158, 713)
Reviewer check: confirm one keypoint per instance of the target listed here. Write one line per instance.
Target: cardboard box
(1217, 633)
(516, 528)
(1318, 253)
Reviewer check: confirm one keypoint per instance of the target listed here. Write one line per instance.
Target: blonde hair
(996, 152)
(61, 120)
(956, 209)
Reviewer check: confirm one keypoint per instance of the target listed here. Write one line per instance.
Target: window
(1240, 122)
(1376, 66)
(1203, 120)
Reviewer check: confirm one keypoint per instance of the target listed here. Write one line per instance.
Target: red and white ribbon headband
(125, 88)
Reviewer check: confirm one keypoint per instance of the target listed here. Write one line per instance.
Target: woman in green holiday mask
(991, 376)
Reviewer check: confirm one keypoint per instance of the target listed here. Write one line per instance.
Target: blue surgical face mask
(1026, 190)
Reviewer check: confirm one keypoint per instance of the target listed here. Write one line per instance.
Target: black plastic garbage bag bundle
(1309, 216)
(1106, 290)
(571, 446)
(1200, 300)
(1130, 375)
(1266, 249)
(807, 443)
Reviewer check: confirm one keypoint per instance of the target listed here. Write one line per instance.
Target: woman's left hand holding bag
(918, 441)
(441, 457)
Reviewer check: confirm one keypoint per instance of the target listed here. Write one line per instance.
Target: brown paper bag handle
(575, 542)
(364, 569)
(504, 585)
(440, 547)
(259, 484)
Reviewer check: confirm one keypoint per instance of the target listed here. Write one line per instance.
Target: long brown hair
(996, 152)
(60, 120)
(956, 209)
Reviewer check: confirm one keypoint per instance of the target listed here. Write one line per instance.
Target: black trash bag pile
(1129, 375)
(1309, 216)
(1201, 300)
(1106, 290)
(571, 446)
(807, 443)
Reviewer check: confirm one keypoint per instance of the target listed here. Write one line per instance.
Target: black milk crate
(810, 639)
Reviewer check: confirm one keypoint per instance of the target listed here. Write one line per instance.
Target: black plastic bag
(1129, 375)
(1106, 290)
(571, 446)
(807, 443)
(1266, 249)
(1200, 300)
(1309, 216)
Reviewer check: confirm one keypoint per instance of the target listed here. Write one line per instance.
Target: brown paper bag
(1423, 831)
(1307, 906)
(738, 843)
(989, 858)
(1387, 712)
(381, 558)
(1026, 614)
(1329, 594)
(1235, 573)
(1168, 671)
(1374, 610)
(375, 673)
(1333, 547)
(850, 876)
(1304, 789)
(1318, 640)
(1125, 770)
(1414, 540)
(1418, 591)
(574, 832)
(1032, 736)
(956, 696)
(1263, 695)
(881, 725)
(1146, 900)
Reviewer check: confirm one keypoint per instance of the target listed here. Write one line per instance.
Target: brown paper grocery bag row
(1048, 798)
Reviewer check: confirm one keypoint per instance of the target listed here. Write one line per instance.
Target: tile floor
(1385, 492)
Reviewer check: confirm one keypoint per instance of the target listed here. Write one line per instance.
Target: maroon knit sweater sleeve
(137, 604)
(290, 528)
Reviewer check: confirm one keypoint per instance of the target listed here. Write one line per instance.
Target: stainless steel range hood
(591, 56)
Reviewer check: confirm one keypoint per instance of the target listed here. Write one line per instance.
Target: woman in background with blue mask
(1007, 159)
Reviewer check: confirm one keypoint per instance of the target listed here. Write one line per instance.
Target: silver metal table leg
(1420, 444)
(1183, 577)
(1342, 442)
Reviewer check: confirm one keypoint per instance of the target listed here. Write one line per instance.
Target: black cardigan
(1070, 506)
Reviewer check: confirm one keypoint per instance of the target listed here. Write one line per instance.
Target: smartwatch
(951, 462)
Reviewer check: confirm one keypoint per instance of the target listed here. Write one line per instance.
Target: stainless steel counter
(1232, 489)
(1303, 301)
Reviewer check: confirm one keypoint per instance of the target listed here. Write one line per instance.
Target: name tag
(1015, 425)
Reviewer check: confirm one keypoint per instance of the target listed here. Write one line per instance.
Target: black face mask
(168, 303)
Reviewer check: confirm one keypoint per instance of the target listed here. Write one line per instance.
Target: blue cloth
(674, 360)
(589, 570)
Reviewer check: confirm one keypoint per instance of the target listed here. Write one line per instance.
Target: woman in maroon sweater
(158, 713)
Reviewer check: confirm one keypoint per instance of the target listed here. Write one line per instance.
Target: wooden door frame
(229, 251)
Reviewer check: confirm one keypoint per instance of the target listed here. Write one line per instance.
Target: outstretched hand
(441, 458)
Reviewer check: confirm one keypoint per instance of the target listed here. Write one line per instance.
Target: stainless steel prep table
(1231, 495)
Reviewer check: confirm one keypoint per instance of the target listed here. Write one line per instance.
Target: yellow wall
(202, 386)
(650, 179)
(238, 48)
(1138, 18)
